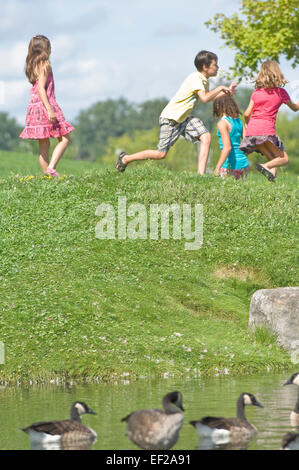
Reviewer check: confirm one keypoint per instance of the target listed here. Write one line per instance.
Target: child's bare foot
(51, 172)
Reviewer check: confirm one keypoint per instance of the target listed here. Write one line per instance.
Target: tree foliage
(138, 140)
(267, 29)
(112, 118)
(182, 156)
(287, 129)
(113, 125)
(9, 132)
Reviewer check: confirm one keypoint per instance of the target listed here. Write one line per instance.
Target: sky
(106, 49)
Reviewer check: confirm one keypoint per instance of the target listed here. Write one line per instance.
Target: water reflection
(205, 443)
(75, 444)
(215, 396)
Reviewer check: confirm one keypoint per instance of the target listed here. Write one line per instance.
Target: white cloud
(86, 83)
(78, 67)
(105, 49)
(82, 21)
(63, 47)
(12, 59)
(21, 18)
(15, 97)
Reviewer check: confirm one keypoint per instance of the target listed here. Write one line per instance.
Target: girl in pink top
(44, 117)
(260, 117)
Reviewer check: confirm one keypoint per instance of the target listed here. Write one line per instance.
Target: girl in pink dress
(260, 117)
(44, 117)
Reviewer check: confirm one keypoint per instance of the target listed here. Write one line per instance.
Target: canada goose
(290, 441)
(294, 416)
(223, 430)
(62, 432)
(155, 429)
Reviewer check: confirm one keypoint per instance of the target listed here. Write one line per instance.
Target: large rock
(278, 310)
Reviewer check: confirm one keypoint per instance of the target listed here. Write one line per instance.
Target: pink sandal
(51, 172)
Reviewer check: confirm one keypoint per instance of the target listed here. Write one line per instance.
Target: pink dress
(37, 124)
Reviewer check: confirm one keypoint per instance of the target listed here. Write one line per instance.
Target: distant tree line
(112, 118)
(112, 125)
(9, 132)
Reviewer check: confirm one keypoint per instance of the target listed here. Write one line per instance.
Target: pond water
(20, 407)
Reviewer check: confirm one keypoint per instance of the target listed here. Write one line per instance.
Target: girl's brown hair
(225, 104)
(39, 51)
(270, 76)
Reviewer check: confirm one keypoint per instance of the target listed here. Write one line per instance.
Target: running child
(175, 119)
(44, 117)
(260, 117)
(230, 131)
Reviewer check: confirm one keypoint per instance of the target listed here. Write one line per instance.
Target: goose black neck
(75, 415)
(169, 407)
(241, 409)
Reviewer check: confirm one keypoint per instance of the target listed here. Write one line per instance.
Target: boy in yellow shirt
(175, 119)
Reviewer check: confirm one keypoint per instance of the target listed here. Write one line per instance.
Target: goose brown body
(223, 430)
(155, 429)
(65, 431)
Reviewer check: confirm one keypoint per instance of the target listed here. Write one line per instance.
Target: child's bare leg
(59, 150)
(268, 154)
(280, 157)
(44, 145)
(205, 142)
(276, 157)
(144, 155)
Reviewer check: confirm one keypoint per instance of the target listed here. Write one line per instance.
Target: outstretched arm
(293, 106)
(206, 96)
(223, 128)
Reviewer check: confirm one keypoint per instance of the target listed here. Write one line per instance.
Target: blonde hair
(39, 51)
(270, 75)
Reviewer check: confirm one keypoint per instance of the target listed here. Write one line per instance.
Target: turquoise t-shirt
(236, 159)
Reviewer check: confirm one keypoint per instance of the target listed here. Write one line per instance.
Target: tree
(113, 118)
(139, 140)
(148, 113)
(287, 129)
(182, 156)
(9, 132)
(269, 29)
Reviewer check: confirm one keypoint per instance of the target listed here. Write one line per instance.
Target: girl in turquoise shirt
(230, 131)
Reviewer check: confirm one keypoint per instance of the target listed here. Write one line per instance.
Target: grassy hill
(74, 306)
(24, 164)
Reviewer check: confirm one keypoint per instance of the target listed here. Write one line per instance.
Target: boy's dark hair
(204, 58)
(225, 104)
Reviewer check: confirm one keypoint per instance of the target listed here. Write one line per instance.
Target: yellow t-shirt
(186, 97)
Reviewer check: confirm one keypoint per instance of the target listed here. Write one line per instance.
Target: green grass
(75, 306)
(24, 164)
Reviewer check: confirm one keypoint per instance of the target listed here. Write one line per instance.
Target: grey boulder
(277, 310)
